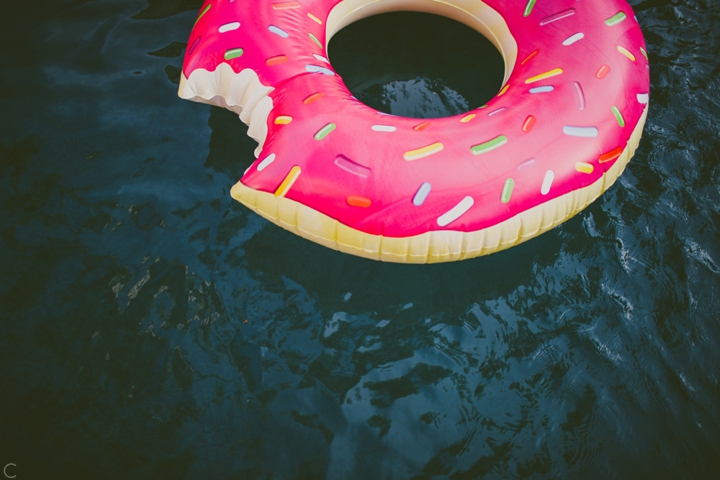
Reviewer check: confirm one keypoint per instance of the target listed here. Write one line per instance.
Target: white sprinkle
(546, 88)
(265, 162)
(422, 194)
(584, 132)
(318, 69)
(579, 96)
(321, 58)
(383, 128)
(228, 27)
(573, 38)
(455, 212)
(278, 31)
(643, 98)
(499, 110)
(547, 182)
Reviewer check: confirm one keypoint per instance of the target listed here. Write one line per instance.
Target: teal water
(152, 328)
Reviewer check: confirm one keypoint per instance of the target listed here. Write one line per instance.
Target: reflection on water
(153, 328)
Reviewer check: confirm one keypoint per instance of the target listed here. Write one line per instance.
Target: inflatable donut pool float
(562, 128)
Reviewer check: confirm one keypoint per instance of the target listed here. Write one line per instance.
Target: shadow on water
(154, 328)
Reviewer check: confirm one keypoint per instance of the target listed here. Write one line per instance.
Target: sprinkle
(504, 89)
(547, 88)
(467, 118)
(507, 190)
(579, 96)
(584, 167)
(611, 155)
(526, 164)
(341, 161)
(499, 110)
(358, 201)
(314, 18)
(265, 162)
(543, 76)
(277, 60)
(286, 5)
(626, 52)
(547, 182)
(278, 31)
(318, 69)
(528, 8)
(558, 16)
(233, 53)
(615, 19)
(583, 132)
(456, 212)
(283, 120)
(205, 10)
(602, 71)
(228, 27)
(314, 39)
(643, 98)
(321, 58)
(311, 98)
(287, 184)
(383, 128)
(423, 152)
(644, 53)
(529, 123)
(618, 116)
(530, 57)
(324, 131)
(489, 146)
(422, 194)
(421, 126)
(573, 38)
(192, 49)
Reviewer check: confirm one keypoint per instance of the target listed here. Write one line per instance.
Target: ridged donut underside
(436, 246)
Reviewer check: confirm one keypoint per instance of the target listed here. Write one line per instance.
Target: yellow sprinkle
(543, 76)
(423, 152)
(625, 52)
(504, 89)
(288, 182)
(314, 18)
(584, 167)
(467, 118)
(283, 120)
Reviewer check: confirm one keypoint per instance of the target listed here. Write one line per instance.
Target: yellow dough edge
(437, 246)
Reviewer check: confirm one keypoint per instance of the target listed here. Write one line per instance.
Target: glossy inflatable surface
(560, 131)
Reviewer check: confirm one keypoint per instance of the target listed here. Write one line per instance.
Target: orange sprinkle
(277, 60)
(311, 98)
(602, 71)
(286, 5)
(358, 201)
(611, 155)
(530, 57)
(529, 123)
(421, 126)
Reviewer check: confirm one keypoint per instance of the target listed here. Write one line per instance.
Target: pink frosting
(361, 177)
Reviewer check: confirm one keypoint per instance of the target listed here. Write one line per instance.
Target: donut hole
(417, 65)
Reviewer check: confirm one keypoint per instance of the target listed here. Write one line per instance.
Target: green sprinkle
(314, 39)
(642, 50)
(615, 19)
(618, 116)
(205, 10)
(234, 53)
(324, 131)
(528, 8)
(507, 190)
(490, 145)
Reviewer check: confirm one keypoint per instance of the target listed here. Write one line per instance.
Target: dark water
(150, 327)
